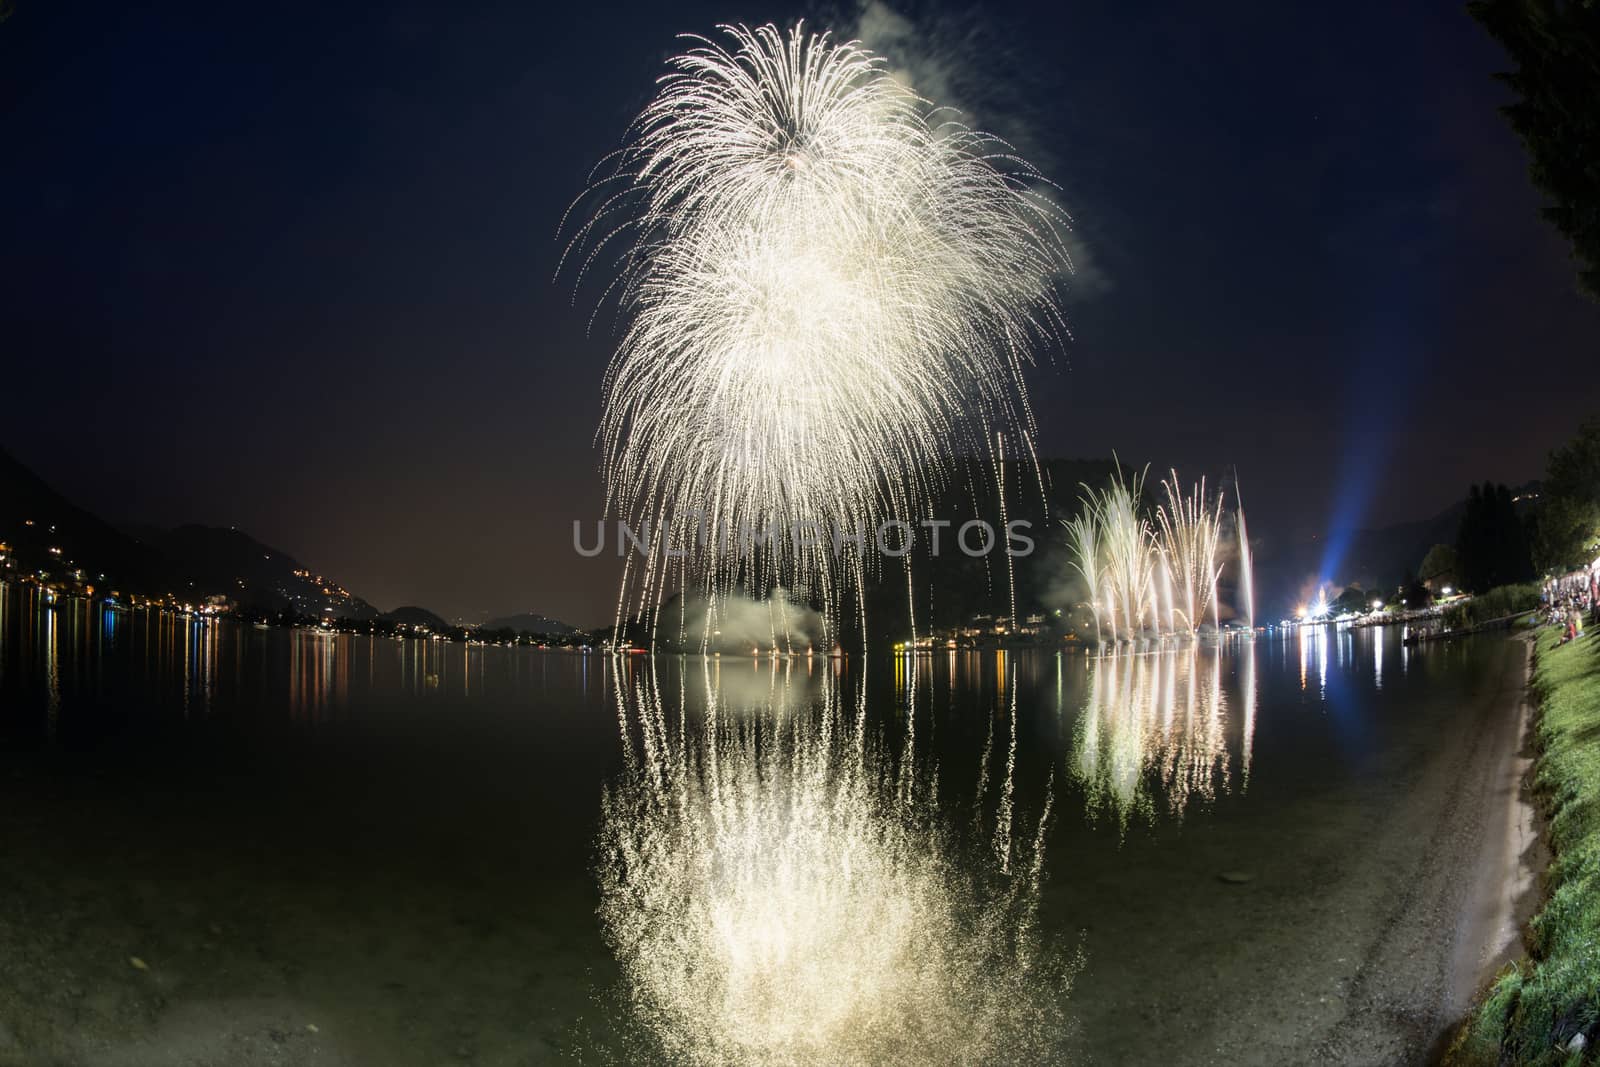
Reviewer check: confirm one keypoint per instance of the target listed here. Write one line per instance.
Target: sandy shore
(1375, 900)
(1475, 856)
(1506, 891)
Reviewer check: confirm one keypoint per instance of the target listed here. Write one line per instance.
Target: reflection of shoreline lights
(1377, 658)
(777, 893)
(1319, 635)
(1149, 579)
(828, 288)
(1159, 718)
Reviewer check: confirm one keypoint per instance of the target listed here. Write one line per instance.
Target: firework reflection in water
(779, 887)
(1157, 723)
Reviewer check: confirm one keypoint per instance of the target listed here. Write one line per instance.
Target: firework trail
(1083, 542)
(1190, 533)
(828, 288)
(1247, 586)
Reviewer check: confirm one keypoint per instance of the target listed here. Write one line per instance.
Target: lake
(224, 843)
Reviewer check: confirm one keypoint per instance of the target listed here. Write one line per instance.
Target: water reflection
(1247, 671)
(1377, 658)
(780, 884)
(1155, 725)
(319, 674)
(1313, 642)
(52, 672)
(73, 671)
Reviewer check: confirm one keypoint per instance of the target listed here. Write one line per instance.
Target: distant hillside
(48, 533)
(231, 562)
(1380, 558)
(529, 623)
(1376, 558)
(411, 615)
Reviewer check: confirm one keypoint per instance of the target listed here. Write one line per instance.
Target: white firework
(1115, 550)
(828, 288)
(1152, 579)
(1190, 534)
(1247, 588)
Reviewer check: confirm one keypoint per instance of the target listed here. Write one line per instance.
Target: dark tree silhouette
(1439, 565)
(1555, 45)
(1569, 518)
(1492, 545)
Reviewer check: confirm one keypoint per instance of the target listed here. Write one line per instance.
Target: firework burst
(828, 289)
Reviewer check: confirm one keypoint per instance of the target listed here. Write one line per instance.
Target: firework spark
(828, 287)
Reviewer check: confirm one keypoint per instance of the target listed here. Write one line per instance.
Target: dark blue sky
(290, 268)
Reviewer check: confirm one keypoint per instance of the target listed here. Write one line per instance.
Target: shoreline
(1541, 1010)
(1446, 856)
(1506, 891)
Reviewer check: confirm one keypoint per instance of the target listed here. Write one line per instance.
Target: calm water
(333, 849)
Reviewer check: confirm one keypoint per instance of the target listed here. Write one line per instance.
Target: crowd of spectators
(1566, 600)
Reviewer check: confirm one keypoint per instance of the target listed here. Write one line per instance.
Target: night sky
(289, 268)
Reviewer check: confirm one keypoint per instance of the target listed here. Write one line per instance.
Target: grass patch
(1533, 1011)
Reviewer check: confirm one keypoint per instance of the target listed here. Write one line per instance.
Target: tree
(1491, 544)
(1411, 594)
(1569, 519)
(1555, 45)
(1440, 566)
(1470, 542)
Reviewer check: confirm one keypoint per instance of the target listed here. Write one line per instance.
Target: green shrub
(1497, 603)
